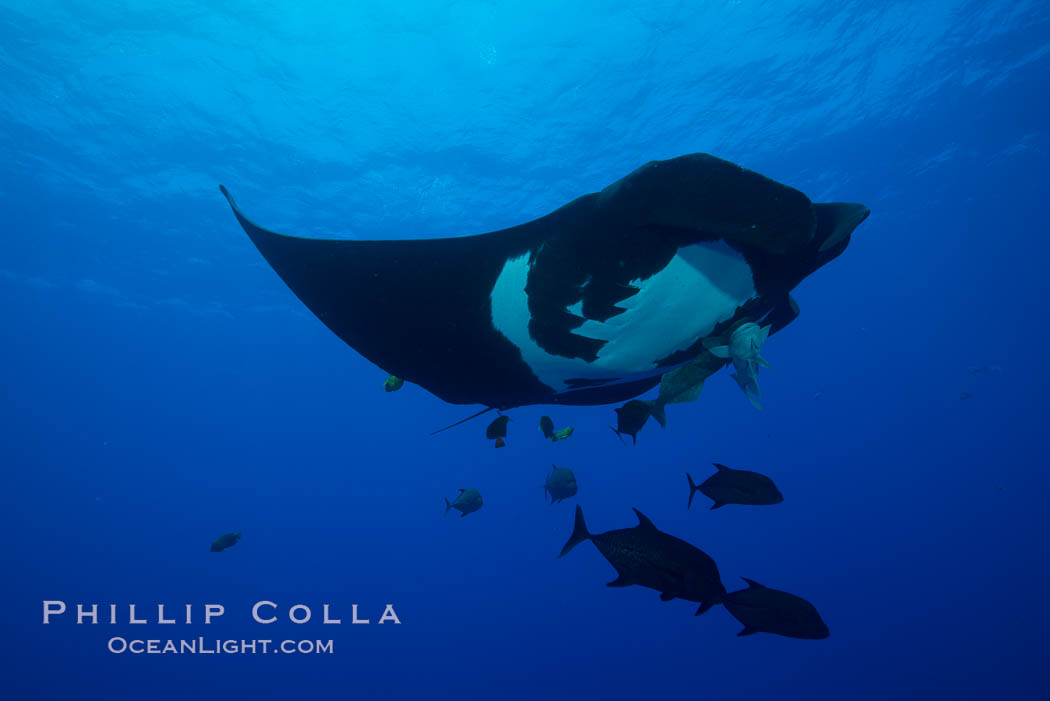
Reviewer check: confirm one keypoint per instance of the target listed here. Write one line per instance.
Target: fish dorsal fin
(752, 584)
(643, 520)
(719, 351)
(721, 467)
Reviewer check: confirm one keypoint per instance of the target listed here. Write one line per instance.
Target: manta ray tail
(462, 421)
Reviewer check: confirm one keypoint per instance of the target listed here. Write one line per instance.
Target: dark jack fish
(226, 540)
(587, 305)
(631, 417)
(497, 430)
(561, 484)
(468, 501)
(729, 486)
(764, 610)
(646, 556)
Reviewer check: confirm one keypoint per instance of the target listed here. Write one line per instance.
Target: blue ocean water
(162, 386)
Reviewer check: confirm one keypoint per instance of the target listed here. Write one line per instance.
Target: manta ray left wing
(418, 309)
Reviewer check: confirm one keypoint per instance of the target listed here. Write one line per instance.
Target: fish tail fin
(707, 604)
(753, 398)
(656, 409)
(448, 505)
(579, 533)
(692, 489)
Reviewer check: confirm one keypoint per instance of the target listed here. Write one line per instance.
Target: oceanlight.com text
(206, 646)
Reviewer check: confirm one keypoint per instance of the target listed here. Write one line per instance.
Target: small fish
(468, 501)
(562, 434)
(745, 350)
(226, 540)
(648, 557)
(547, 427)
(729, 486)
(393, 383)
(497, 430)
(561, 484)
(966, 395)
(631, 417)
(764, 610)
(819, 394)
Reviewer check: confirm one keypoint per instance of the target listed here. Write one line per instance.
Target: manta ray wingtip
(227, 195)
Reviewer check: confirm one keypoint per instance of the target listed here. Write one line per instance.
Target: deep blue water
(161, 385)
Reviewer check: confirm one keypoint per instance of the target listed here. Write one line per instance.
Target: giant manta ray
(589, 304)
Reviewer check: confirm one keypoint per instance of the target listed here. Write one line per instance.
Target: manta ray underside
(589, 304)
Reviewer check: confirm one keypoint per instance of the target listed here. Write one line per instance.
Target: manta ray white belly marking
(701, 286)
